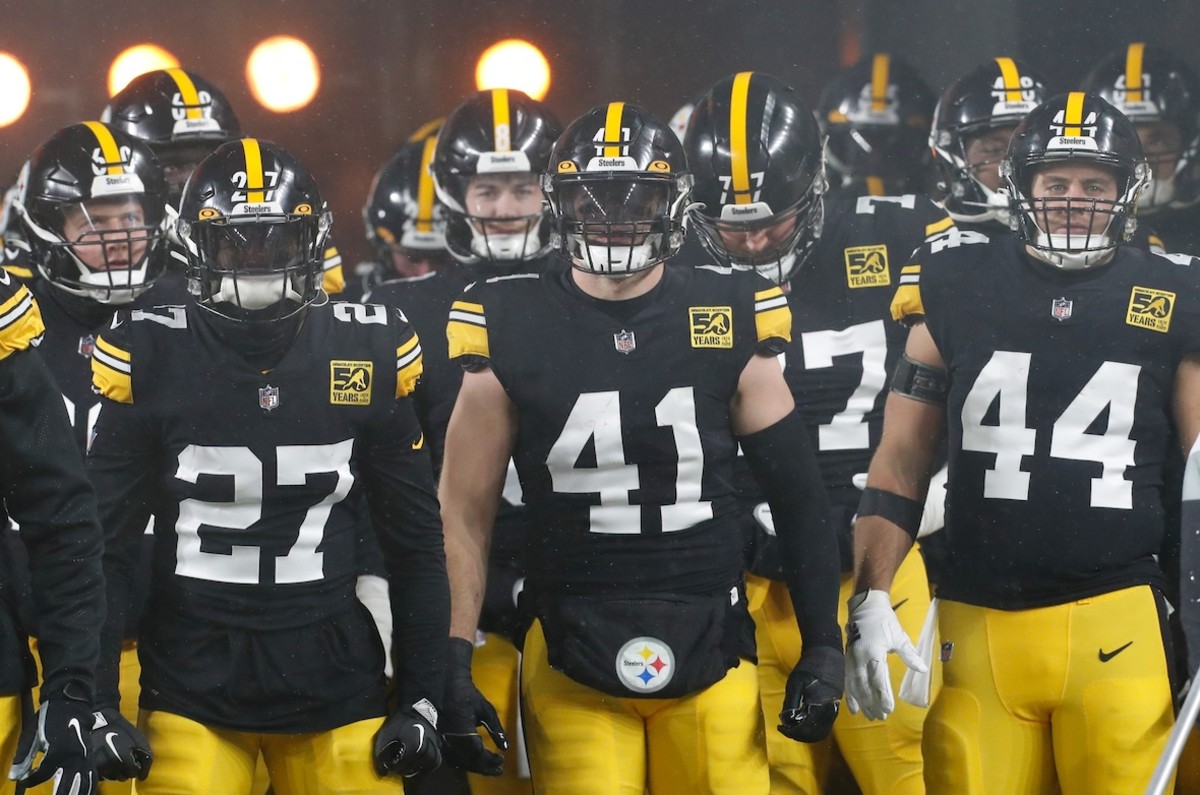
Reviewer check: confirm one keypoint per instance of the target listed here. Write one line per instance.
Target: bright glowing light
(514, 63)
(283, 74)
(137, 60)
(14, 89)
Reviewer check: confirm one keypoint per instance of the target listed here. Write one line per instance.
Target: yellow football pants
(495, 670)
(10, 732)
(584, 742)
(193, 759)
(883, 756)
(1072, 698)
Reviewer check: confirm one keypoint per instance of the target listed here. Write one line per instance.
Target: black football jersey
(17, 258)
(45, 490)
(1059, 414)
(624, 447)
(844, 346)
(255, 482)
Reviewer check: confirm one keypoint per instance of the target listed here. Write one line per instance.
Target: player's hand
(465, 709)
(813, 694)
(873, 632)
(59, 741)
(119, 748)
(408, 742)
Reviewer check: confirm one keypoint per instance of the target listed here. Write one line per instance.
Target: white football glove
(872, 632)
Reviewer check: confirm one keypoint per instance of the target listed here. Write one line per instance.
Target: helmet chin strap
(256, 292)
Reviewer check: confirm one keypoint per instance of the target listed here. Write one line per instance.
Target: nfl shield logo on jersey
(624, 341)
(268, 397)
(1060, 309)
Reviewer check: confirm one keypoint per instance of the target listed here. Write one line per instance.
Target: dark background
(390, 65)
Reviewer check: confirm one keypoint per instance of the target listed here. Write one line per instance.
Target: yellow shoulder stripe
(772, 315)
(466, 330)
(112, 371)
(20, 322)
(939, 226)
(333, 280)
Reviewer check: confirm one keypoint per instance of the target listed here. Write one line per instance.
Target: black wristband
(901, 511)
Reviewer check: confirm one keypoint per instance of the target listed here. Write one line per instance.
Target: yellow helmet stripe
(254, 171)
(737, 138)
(1012, 79)
(1133, 71)
(425, 188)
(187, 92)
(881, 65)
(1073, 118)
(612, 128)
(108, 147)
(501, 130)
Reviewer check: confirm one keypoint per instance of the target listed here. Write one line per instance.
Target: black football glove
(62, 726)
(813, 694)
(407, 743)
(465, 709)
(119, 748)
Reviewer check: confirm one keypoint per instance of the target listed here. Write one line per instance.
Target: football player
(759, 203)
(621, 388)
(1161, 96)
(1052, 621)
(44, 488)
(876, 115)
(97, 243)
(184, 118)
(249, 423)
(472, 136)
(972, 125)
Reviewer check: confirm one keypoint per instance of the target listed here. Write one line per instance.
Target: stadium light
(283, 74)
(137, 60)
(14, 89)
(514, 63)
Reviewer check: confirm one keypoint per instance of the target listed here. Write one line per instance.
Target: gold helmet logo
(566, 167)
(303, 209)
(659, 166)
(385, 235)
(207, 213)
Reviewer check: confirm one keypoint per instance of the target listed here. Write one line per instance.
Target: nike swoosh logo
(421, 739)
(74, 724)
(898, 605)
(11, 253)
(419, 443)
(1106, 656)
(108, 740)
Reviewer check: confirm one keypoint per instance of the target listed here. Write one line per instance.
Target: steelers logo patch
(645, 664)
(1150, 309)
(867, 266)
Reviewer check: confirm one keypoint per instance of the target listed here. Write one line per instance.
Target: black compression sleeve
(785, 467)
(48, 494)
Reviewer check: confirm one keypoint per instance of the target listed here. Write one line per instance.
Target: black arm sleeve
(404, 510)
(46, 491)
(785, 467)
(122, 466)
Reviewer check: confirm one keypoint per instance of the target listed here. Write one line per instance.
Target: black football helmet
(995, 95)
(499, 131)
(618, 185)
(180, 114)
(402, 214)
(1150, 85)
(875, 115)
(1075, 128)
(253, 224)
(755, 153)
(92, 203)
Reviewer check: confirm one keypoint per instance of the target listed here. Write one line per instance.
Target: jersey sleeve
(772, 321)
(17, 258)
(467, 335)
(333, 278)
(907, 306)
(112, 362)
(20, 318)
(45, 489)
(409, 360)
